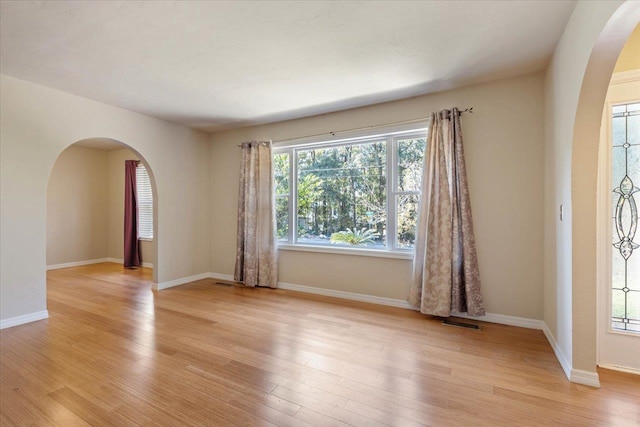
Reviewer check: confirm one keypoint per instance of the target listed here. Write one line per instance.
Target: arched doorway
(584, 170)
(618, 285)
(85, 205)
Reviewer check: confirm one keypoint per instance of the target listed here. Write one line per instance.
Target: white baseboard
(564, 363)
(78, 263)
(503, 319)
(393, 302)
(91, 261)
(579, 376)
(219, 276)
(25, 318)
(180, 281)
(620, 368)
(345, 295)
(121, 261)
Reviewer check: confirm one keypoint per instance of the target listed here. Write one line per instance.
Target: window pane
(633, 305)
(626, 247)
(633, 272)
(407, 211)
(342, 193)
(618, 127)
(634, 123)
(617, 304)
(282, 218)
(410, 157)
(618, 276)
(281, 172)
(145, 203)
(619, 159)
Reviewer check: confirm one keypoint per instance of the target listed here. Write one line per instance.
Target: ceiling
(219, 65)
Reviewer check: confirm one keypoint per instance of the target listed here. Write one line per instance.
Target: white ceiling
(215, 65)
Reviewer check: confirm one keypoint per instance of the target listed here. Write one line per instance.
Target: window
(625, 263)
(145, 203)
(360, 192)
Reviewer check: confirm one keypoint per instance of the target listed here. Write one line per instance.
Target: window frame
(391, 135)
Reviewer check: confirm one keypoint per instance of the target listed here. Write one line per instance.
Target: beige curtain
(256, 256)
(445, 266)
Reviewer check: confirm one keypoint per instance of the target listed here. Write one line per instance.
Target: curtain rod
(466, 110)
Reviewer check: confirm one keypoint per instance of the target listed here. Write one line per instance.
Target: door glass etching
(625, 263)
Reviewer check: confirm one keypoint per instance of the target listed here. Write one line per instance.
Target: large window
(351, 193)
(145, 203)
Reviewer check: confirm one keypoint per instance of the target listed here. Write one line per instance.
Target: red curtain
(131, 243)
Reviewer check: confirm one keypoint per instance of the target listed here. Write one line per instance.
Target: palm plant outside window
(361, 192)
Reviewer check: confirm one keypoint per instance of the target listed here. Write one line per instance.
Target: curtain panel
(131, 243)
(256, 255)
(446, 276)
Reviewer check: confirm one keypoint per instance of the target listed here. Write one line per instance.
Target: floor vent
(449, 322)
(223, 283)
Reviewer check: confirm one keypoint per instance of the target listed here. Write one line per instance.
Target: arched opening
(85, 207)
(584, 188)
(618, 281)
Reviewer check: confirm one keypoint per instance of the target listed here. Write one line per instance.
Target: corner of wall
(577, 376)
(565, 363)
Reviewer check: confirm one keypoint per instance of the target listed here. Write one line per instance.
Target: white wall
(504, 153)
(575, 86)
(36, 125)
(77, 206)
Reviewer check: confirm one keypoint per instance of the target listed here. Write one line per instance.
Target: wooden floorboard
(115, 353)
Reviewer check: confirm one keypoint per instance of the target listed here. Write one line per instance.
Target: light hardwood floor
(115, 353)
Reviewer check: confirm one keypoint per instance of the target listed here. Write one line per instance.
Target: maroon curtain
(131, 243)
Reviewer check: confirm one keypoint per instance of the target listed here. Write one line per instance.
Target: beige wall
(575, 86)
(36, 125)
(629, 58)
(504, 152)
(116, 159)
(77, 206)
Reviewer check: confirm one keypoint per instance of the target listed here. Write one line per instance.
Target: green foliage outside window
(355, 237)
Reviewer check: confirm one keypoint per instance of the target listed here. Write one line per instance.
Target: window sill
(145, 240)
(346, 251)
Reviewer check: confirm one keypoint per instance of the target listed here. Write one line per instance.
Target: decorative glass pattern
(625, 310)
